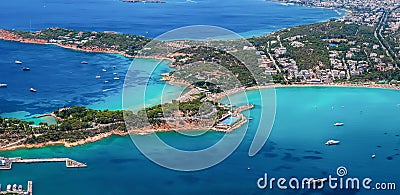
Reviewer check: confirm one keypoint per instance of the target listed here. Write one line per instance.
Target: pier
(6, 163)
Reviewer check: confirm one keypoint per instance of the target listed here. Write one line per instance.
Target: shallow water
(295, 148)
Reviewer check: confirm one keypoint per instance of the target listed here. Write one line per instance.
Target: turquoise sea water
(296, 147)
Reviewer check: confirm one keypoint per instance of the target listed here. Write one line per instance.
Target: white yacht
(104, 70)
(3, 85)
(332, 142)
(98, 76)
(32, 90)
(338, 124)
(18, 62)
(116, 78)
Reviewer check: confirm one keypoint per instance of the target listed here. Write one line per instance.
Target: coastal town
(371, 47)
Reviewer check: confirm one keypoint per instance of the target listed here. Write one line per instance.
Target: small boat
(3, 85)
(98, 76)
(104, 70)
(26, 69)
(115, 67)
(338, 124)
(332, 142)
(116, 78)
(114, 73)
(105, 81)
(18, 62)
(32, 90)
(373, 156)
(250, 118)
(84, 62)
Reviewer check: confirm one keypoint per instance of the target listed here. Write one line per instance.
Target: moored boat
(18, 62)
(84, 62)
(32, 90)
(116, 78)
(26, 69)
(3, 85)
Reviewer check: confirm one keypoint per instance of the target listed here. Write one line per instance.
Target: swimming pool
(230, 120)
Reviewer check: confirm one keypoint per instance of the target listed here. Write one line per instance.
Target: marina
(17, 189)
(6, 163)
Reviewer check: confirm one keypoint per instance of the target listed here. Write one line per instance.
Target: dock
(6, 163)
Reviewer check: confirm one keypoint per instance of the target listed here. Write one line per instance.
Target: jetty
(6, 163)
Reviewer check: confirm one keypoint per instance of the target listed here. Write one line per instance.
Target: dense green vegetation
(211, 87)
(74, 124)
(226, 60)
(156, 115)
(126, 43)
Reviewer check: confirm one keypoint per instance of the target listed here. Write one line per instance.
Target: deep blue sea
(296, 147)
(247, 17)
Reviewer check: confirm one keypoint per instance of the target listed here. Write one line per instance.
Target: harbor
(6, 163)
